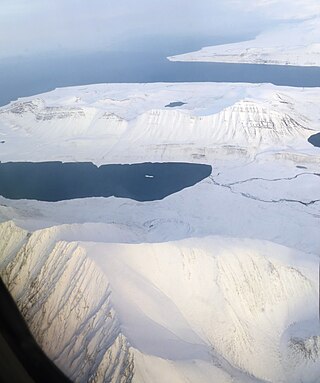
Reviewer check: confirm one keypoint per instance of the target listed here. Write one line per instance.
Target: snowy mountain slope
(296, 43)
(59, 128)
(65, 300)
(102, 124)
(192, 311)
(235, 295)
(149, 368)
(245, 123)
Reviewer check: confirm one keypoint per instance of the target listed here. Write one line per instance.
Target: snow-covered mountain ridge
(102, 128)
(65, 300)
(98, 295)
(246, 123)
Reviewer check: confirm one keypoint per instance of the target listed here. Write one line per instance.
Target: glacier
(216, 283)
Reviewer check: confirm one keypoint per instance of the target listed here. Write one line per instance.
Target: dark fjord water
(26, 77)
(57, 181)
(315, 140)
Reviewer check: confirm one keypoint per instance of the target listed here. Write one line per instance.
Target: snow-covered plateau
(292, 43)
(215, 283)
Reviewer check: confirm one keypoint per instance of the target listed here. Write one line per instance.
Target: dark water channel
(57, 181)
(315, 140)
(25, 77)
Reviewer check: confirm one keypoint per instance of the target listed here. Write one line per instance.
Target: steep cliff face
(65, 299)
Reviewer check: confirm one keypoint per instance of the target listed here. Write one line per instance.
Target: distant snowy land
(111, 123)
(215, 283)
(294, 42)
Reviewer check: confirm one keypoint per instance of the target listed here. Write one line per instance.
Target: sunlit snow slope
(199, 309)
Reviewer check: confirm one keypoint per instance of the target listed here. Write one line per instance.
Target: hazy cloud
(281, 9)
(28, 27)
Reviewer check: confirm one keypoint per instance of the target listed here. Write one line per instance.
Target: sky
(280, 9)
(35, 26)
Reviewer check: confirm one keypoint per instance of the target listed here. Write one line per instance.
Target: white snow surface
(113, 122)
(292, 43)
(192, 310)
(216, 283)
